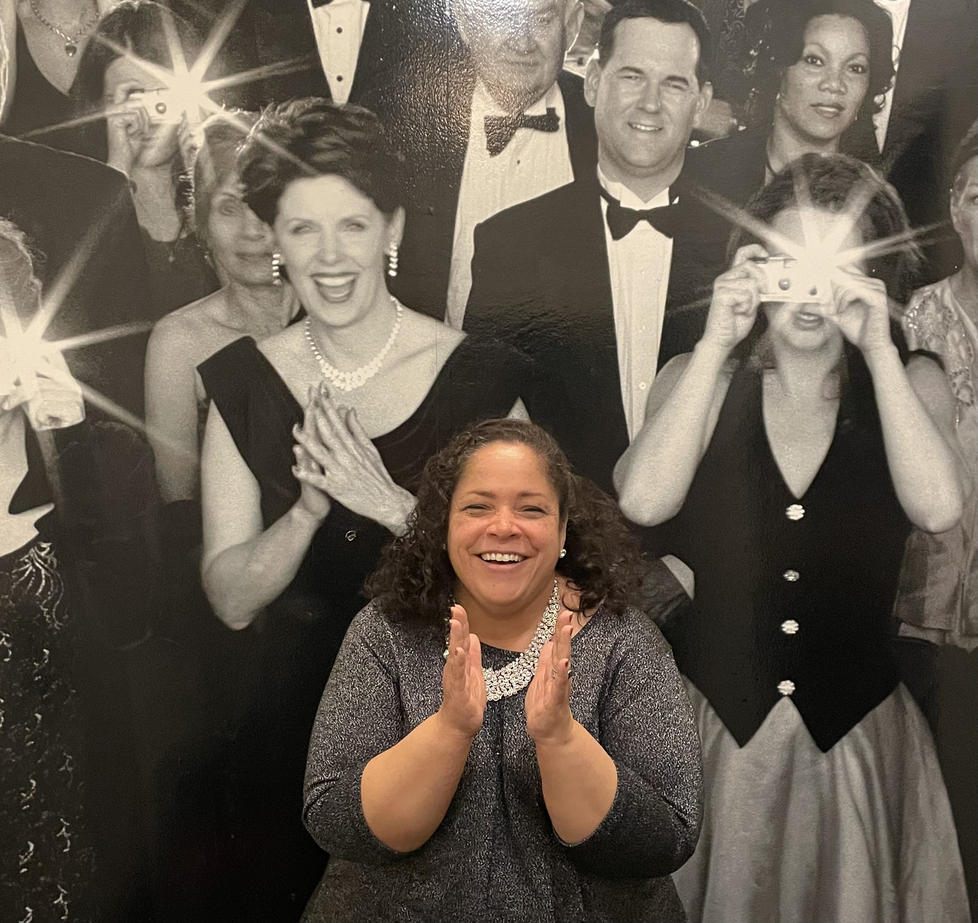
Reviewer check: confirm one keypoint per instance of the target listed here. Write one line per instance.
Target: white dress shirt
(338, 27)
(639, 268)
(534, 162)
(899, 10)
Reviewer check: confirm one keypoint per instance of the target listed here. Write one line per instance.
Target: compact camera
(787, 279)
(160, 105)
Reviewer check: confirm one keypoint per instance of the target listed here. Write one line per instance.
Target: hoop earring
(276, 268)
(392, 260)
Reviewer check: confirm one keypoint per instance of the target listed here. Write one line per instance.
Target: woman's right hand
(463, 698)
(736, 298)
(312, 499)
(126, 125)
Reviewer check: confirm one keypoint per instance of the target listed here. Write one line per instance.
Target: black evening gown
(273, 673)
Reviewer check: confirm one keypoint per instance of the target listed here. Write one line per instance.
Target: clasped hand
(547, 703)
(336, 459)
(50, 396)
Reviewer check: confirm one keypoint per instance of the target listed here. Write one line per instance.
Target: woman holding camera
(789, 455)
(147, 135)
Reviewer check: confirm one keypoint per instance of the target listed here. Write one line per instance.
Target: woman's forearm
(925, 468)
(241, 580)
(406, 790)
(579, 783)
(654, 474)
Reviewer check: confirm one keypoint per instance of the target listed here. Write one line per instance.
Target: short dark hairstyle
(670, 11)
(415, 577)
(783, 40)
(966, 151)
(315, 137)
(221, 137)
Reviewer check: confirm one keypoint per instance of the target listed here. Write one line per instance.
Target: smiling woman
(315, 440)
(496, 763)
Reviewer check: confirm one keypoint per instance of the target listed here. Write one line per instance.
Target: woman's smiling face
(505, 530)
(332, 239)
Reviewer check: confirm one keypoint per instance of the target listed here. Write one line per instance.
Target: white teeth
(648, 128)
(499, 557)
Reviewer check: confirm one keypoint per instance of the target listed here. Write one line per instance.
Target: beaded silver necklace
(517, 674)
(350, 381)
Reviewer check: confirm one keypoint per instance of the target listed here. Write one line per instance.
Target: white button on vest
(791, 575)
(790, 627)
(795, 512)
(786, 687)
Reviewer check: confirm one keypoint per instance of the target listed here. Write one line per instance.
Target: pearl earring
(276, 268)
(563, 553)
(392, 260)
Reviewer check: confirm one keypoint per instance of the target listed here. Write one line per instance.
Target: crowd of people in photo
(506, 461)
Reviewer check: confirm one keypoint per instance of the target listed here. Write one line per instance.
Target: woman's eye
(859, 68)
(356, 226)
(813, 59)
(230, 209)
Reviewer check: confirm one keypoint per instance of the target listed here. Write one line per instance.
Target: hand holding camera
(43, 385)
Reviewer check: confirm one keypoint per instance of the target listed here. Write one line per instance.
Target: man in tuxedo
(513, 127)
(603, 280)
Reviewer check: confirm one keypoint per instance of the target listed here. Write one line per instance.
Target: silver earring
(392, 260)
(276, 268)
(563, 553)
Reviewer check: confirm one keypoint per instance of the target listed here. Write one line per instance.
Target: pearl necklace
(350, 381)
(517, 674)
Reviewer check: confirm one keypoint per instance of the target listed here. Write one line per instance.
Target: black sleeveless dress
(278, 667)
(824, 796)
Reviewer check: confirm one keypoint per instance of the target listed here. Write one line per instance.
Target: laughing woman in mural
(315, 441)
(788, 457)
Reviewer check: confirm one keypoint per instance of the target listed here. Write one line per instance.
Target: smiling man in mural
(602, 280)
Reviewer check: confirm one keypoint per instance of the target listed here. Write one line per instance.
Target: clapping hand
(548, 714)
(463, 698)
(339, 460)
(736, 297)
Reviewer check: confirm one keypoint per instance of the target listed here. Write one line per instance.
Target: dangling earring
(392, 260)
(276, 268)
(563, 553)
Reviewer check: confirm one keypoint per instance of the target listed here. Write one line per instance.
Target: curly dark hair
(782, 40)
(221, 138)
(315, 137)
(415, 577)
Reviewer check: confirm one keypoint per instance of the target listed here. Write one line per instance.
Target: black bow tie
(501, 128)
(621, 220)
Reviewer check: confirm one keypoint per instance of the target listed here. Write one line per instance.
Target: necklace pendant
(71, 49)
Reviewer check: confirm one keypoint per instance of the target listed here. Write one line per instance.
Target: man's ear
(573, 20)
(592, 77)
(703, 102)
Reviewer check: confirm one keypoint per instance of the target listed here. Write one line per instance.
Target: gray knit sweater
(495, 856)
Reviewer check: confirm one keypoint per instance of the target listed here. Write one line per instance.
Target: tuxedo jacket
(80, 223)
(434, 177)
(540, 281)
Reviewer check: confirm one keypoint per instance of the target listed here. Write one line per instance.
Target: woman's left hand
(860, 309)
(351, 469)
(548, 714)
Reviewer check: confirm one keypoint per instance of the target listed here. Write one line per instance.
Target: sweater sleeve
(359, 717)
(649, 730)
